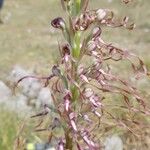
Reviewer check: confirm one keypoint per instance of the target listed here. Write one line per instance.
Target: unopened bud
(96, 32)
(91, 46)
(56, 71)
(88, 92)
(58, 23)
(66, 49)
(101, 14)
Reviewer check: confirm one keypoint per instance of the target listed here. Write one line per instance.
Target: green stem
(78, 6)
(76, 55)
(76, 45)
(76, 38)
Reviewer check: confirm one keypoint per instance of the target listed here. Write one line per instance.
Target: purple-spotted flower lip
(58, 23)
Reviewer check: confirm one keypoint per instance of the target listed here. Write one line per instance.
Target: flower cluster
(80, 91)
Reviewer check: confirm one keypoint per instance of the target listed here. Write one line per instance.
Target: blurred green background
(27, 39)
